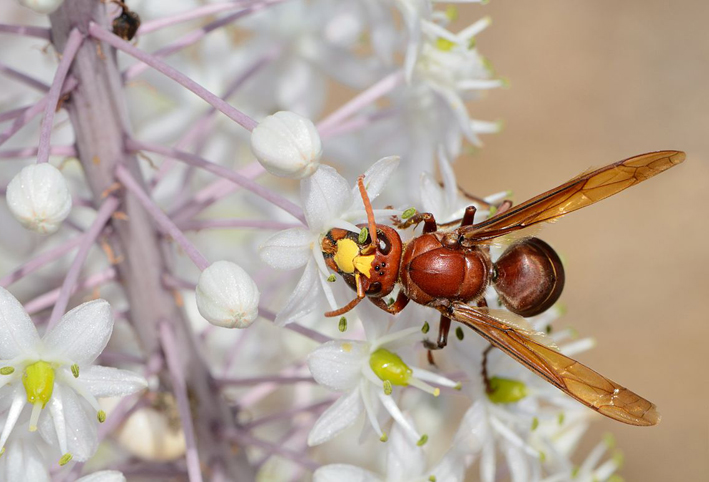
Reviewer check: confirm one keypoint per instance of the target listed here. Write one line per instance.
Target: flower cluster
(185, 224)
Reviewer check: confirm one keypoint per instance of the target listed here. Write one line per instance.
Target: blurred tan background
(592, 83)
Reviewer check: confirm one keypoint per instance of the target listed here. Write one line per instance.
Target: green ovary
(389, 367)
(38, 380)
(504, 390)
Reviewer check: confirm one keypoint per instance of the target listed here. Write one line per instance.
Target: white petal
(450, 185)
(81, 334)
(432, 199)
(343, 473)
(405, 459)
(22, 462)
(39, 198)
(473, 433)
(103, 476)
(287, 249)
(17, 332)
(227, 296)
(451, 468)
(80, 424)
(335, 419)
(325, 196)
(110, 382)
(287, 145)
(517, 463)
(375, 179)
(302, 300)
(338, 364)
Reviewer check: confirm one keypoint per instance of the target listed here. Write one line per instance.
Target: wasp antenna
(345, 308)
(351, 304)
(370, 213)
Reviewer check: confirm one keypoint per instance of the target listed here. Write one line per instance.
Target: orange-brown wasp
(449, 270)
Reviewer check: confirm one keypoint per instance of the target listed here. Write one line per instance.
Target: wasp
(449, 269)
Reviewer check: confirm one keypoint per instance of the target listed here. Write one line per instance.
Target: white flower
(367, 372)
(446, 202)
(57, 372)
(227, 296)
(42, 6)
(328, 202)
(590, 470)
(287, 145)
(23, 459)
(104, 476)
(406, 461)
(39, 198)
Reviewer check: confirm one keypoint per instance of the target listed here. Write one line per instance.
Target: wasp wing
(568, 375)
(582, 191)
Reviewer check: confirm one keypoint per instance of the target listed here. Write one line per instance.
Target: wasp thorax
(529, 277)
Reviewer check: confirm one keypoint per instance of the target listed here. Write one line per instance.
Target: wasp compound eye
(384, 243)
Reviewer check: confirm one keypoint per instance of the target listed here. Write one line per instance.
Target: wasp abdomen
(530, 277)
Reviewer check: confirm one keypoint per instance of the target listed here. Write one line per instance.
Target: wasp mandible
(450, 269)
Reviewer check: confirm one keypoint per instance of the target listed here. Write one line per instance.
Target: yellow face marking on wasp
(349, 260)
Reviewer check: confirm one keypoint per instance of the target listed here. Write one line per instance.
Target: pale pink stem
(179, 388)
(12, 114)
(363, 99)
(242, 382)
(256, 394)
(297, 457)
(40, 261)
(307, 332)
(32, 112)
(32, 152)
(163, 221)
(286, 414)
(24, 78)
(239, 117)
(27, 30)
(72, 46)
(356, 123)
(297, 433)
(213, 192)
(195, 36)
(221, 171)
(87, 241)
(49, 298)
(201, 128)
(173, 282)
(198, 12)
(198, 225)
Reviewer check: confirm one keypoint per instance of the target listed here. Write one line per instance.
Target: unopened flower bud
(39, 198)
(42, 6)
(227, 296)
(287, 145)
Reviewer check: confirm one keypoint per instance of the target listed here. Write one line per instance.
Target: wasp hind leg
(444, 326)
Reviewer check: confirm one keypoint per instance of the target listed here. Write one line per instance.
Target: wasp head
(351, 256)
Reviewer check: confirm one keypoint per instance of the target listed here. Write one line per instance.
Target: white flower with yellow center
(56, 372)
(328, 202)
(368, 372)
